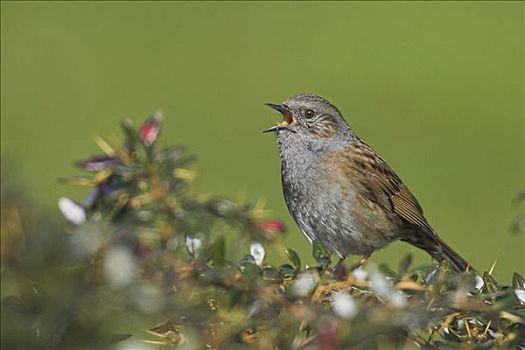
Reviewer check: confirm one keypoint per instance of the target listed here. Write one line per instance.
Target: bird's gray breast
(326, 204)
(320, 209)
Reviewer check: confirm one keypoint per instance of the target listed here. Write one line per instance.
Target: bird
(343, 194)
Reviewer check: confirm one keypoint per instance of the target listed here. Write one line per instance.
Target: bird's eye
(309, 113)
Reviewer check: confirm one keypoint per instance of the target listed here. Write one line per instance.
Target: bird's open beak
(288, 119)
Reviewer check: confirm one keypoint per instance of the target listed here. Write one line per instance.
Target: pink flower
(272, 225)
(150, 130)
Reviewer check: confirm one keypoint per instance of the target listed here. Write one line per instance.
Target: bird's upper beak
(288, 118)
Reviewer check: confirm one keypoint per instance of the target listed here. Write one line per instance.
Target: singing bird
(340, 192)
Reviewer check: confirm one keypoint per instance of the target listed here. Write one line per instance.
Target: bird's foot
(361, 262)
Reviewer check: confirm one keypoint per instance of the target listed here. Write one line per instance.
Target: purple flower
(106, 188)
(97, 163)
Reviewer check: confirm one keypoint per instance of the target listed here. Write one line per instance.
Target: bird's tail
(444, 251)
(440, 251)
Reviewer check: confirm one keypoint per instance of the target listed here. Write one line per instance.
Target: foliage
(144, 251)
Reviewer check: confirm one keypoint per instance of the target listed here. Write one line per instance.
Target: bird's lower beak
(288, 119)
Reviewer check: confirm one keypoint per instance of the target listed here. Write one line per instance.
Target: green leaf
(294, 257)
(518, 282)
(490, 285)
(272, 275)
(320, 255)
(249, 268)
(218, 251)
(388, 272)
(318, 251)
(288, 271)
(132, 137)
(405, 263)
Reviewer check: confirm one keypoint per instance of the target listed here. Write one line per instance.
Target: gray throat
(305, 179)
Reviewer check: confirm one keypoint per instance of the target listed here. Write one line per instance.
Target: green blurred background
(436, 88)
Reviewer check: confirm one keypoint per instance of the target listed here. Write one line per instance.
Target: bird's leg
(364, 259)
(361, 262)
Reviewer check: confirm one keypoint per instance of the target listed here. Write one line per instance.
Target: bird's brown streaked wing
(384, 187)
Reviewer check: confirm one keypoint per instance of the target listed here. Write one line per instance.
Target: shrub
(144, 251)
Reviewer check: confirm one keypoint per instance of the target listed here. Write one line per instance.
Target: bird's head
(309, 116)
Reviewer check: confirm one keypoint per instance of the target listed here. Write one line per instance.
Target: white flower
(344, 305)
(380, 285)
(359, 273)
(257, 251)
(397, 299)
(479, 283)
(72, 211)
(385, 290)
(119, 267)
(520, 294)
(193, 245)
(305, 283)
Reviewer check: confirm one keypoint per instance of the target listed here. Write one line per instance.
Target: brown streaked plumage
(382, 185)
(341, 192)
